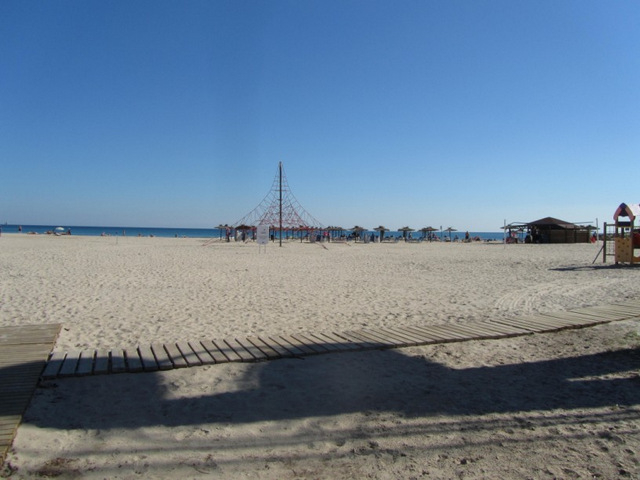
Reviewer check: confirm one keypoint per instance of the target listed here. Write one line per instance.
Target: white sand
(112, 292)
(562, 405)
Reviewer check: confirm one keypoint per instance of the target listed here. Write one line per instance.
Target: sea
(97, 231)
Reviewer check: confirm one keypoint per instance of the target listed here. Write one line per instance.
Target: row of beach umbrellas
(358, 230)
(405, 230)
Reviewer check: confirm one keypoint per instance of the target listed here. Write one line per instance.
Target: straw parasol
(243, 228)
(381, 231)
(357, 230)
(334, 231)
(427, 230)
(450, 229)
(405, 230)
(222, 227)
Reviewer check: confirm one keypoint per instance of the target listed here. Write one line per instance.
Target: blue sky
(453, 113)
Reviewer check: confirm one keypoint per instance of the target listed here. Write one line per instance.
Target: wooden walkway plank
(363, 343)
(264, 348)
(568, 321)
(53, 365)
(612, 313)
(586, 312)
(101, 366)
(552, 322)
(281, 349)
(623, 312)
(134, 364)
(525, 323)
(70, 364)
(631, 303)
(163, 361)
(227, 351)
(548, 322)
(425, 334)
(450, 334)
(621, 306)
(202, 353)
(405, 334)
(369, 340)
(214, 351)
(313, 343)
(433, 332)
(513, 323)
(505, 330)
(602, 315)
(489, 330)
(420, 336)
(339, 342)
(149, 363)
(24, 352)
(188, 354)
(118, 364)
(175, 355)
(580, 319)
(473, 333)
(296, 344)
(327, 346)
(85, 364)
(397, 338)
(244, 355)
(255, 352)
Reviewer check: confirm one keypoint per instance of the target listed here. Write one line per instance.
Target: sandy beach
(559, 405)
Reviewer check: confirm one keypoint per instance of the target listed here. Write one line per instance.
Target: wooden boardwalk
(166, 356)
(24, 352)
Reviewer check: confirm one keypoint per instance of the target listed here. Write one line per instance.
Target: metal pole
(280, 170)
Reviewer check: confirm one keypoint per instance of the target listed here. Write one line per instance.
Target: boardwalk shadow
(326, 385)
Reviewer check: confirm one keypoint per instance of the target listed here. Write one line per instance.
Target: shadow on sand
(325, 385)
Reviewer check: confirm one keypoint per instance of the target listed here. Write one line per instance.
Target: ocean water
(202, 232)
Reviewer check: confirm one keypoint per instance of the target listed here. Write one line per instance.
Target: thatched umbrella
(222, 227)
(431, 230)
(381, 231)
(243, 229)
(404, 231)
(336, 230)
(426, 230)
(450, 229)
(357, 230)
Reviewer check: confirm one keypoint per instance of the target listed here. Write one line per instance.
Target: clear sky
(410, 112)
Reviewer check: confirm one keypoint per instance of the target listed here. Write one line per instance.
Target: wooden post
(604, 244)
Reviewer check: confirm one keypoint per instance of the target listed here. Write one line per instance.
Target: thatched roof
(551, 222)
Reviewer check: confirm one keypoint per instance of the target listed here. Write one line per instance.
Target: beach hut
(553, 230)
